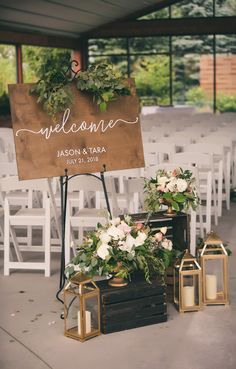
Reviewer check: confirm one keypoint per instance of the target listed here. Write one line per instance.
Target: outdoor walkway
(31, 334)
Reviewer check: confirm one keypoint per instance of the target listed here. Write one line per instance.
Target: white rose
(163, 230)
(181, 185)
(128, 244)
(104, 237)
(116, 233)
(124, 227)
(171, 185)
(140, 239)
(162, 180)
(167, 244)
(103, 250)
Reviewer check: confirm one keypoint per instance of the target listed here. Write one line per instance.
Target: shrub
(196, 97)
(226, 103)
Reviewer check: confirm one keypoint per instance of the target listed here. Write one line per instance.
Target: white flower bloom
(124, 227)
(162, 180)
(167, 244)
(116, 233)
(103, 250)
(172, 184)
(181, 185)
(128, 244)
(104, 237)
(140, 239)
(163, 230)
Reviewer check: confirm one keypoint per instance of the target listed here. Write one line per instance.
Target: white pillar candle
(188, 296)
(87, 320)
(211, 287)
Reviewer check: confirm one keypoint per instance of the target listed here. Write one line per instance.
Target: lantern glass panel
(91, 314)
(72, 308)
(190, 290)
(214, 279)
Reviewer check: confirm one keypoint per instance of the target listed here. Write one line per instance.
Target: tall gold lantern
(187, 283)
(81, 308)
(214, 263)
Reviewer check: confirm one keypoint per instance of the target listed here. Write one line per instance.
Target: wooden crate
(177, 227)
(135, 305)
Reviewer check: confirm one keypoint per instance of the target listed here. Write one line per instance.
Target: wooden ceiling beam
(167, 27)
(10, 37)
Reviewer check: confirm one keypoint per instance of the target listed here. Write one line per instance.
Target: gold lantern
(214, 263)
(187, 283)
(81, 308)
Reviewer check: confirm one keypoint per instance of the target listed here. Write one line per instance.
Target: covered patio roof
(63, 22)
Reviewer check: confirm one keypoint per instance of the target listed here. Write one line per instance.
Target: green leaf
(103, 106)
(175, 205)
(179, 197)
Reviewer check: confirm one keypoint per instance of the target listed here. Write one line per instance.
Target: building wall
(225, 74)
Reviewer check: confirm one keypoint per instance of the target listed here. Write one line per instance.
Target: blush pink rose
(158, 236)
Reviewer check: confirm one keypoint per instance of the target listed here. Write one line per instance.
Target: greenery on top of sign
(102, 81)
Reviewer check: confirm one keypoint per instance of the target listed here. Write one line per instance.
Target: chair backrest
(12, 183)
(206, 148)
(91, 192)
(193, 158)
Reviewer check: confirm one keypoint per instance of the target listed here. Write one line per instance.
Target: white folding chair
(25, 217)
(221, 163)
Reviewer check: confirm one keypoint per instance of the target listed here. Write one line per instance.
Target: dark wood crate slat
(134, 305)
(132, 291)
(128, 315)
(120, 326)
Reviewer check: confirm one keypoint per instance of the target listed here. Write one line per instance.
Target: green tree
(152, 77)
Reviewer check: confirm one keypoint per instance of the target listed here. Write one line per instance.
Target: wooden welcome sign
(82, 140)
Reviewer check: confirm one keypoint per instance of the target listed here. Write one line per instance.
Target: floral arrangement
(174, 187)
(121, 247)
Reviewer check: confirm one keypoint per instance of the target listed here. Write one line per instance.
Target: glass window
(151, 75)
(107, 46)
(192, 9)
(192, 78)
(226, 73)
(149, 45)
(34, 58)
(7, 76)
(159, 14)
(7, 67)
(225, 8)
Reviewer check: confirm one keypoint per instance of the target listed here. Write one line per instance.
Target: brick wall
(225, 74)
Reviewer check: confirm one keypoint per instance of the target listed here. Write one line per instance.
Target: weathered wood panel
(135, 305)
(82, 139)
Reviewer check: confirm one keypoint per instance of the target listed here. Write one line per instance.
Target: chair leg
(16, 245)
(6, 243)
(47, 240)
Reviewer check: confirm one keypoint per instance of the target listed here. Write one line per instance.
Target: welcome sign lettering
(81, 139)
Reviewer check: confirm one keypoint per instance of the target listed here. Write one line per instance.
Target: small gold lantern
(214, 263)
(81, 308)
(187, 283)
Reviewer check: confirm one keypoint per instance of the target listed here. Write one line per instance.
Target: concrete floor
(31, 334)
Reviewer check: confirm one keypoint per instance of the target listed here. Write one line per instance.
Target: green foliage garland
(102, 81)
